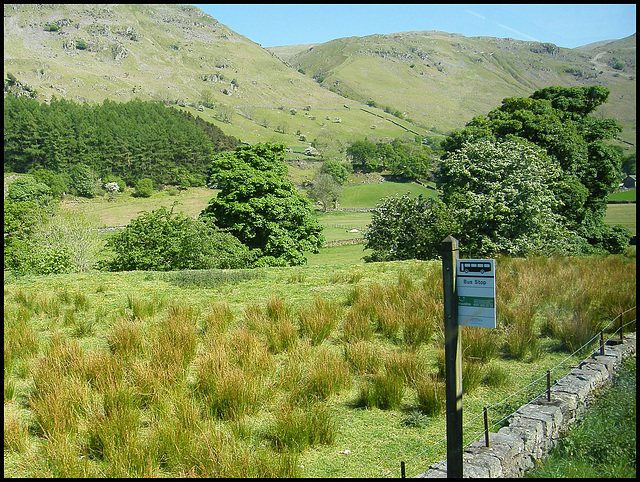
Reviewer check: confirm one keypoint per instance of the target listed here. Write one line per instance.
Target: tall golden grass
(153, 386)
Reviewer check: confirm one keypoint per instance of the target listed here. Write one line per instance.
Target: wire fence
(474, 433)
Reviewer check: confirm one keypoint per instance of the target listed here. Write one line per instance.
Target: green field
(628, 195)
(365, 195)
(106, 373)
(121, 209)
(338, 224)
(622, 214)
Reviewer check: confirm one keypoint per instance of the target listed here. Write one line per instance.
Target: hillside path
(605, 68)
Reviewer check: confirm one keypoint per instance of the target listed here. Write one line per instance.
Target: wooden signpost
(469, 300)
(452, 358)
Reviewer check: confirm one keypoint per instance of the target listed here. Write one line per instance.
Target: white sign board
(476, 287)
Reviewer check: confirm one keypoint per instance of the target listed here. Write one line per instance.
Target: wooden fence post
(621, 327)
(453, 358)
(486, 428)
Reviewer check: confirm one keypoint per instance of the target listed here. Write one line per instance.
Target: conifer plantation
(132, 140)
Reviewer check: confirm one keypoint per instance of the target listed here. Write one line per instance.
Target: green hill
(178, 55)
(441, 80)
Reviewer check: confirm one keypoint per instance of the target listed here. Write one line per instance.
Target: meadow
(622, 214)
(330, 369)
(313, 371)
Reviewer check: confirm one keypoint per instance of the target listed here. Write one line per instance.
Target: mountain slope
(171, 53)
(442, 80)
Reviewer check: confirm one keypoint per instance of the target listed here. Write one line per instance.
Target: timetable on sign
(476, 289)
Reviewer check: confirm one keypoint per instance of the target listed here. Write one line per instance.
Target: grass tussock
(430, 395)
(496, 376)
(383, 390)
(16, 432)
(363, 357)
(328, 374)
(142, 308)
(20, 339)
(408, 365)
(479, 343)
(125, 337)
(218, 318)
(298, 428)
(61, 395)
(278, 326)
(174, 341)
(225, 390)
(357, 324)
(318, 320)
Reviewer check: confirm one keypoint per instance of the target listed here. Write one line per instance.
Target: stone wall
(534, 428)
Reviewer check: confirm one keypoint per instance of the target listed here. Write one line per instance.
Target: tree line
(127, 141)
(406, 160)
(531, 177)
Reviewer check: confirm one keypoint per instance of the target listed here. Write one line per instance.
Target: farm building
(629, 182)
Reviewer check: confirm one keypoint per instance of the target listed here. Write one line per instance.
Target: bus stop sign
(476, 288)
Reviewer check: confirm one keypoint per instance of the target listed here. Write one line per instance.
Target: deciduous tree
(497, 197)
(336, 170)
(325, 189)
(259, 206)
(558, 120)
(161, 240)
(406, 227)
(503, 195)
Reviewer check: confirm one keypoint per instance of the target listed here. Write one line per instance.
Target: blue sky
(566, 25)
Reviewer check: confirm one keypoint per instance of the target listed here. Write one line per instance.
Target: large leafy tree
(56, 182)
(503, 196)
(22, 220)
(83, 180)
(364, 156)
(499, 198)
(558, 120)
(261, 207)
(409, 160)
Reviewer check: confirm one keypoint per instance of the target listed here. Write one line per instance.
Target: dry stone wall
(535, 427)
